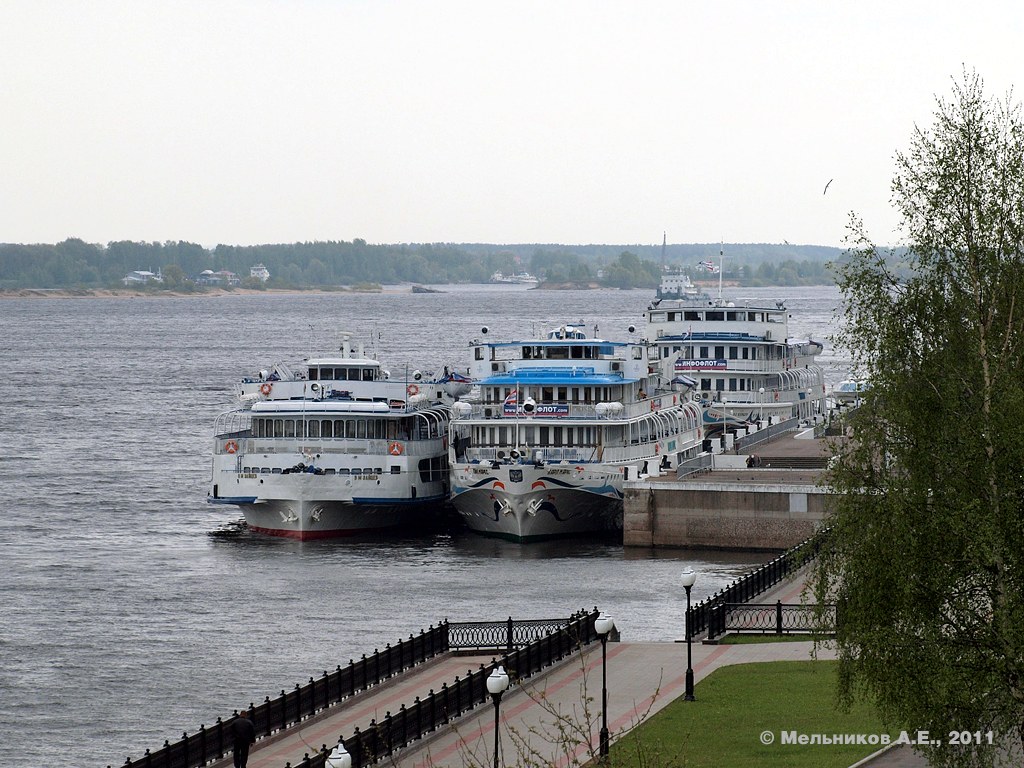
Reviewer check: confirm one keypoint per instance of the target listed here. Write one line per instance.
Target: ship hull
(529, 503)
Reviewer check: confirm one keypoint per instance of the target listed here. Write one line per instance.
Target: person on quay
(243, 734)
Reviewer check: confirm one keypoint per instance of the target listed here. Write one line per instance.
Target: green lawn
(735, 705)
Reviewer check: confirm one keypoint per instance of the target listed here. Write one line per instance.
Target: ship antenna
(721, 267)
(663, 241)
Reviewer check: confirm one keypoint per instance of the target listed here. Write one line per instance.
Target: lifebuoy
(413, 389)
(266, 388)
(231, 446)
(396, 449)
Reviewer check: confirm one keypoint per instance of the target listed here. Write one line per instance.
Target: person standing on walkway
(243, 733)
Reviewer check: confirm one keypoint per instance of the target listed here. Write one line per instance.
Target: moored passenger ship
(738, 357)
(336, 449)
(559, 424)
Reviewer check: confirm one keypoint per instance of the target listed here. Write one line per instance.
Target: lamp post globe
(603, 626)
(688, 578)
(497, 684)
(339, 757)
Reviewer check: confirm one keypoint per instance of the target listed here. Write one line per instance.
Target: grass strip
(735, 705)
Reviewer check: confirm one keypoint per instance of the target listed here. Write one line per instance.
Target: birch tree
(927, 566)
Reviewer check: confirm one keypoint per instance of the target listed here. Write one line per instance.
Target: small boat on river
(335, 449)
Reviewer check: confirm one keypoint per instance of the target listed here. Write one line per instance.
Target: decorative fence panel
(778, 618)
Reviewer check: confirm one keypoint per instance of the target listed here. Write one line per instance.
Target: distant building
(224, 277)
(261, 272)
(141, 277)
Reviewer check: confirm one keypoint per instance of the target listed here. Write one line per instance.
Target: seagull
(826, 186)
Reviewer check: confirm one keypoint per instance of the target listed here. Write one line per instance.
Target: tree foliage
(928, 560)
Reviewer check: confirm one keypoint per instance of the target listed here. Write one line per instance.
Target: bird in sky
(826, 186)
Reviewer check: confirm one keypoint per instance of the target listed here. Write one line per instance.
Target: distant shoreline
(128, 293)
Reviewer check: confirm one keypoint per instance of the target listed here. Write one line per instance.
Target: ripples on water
(133, 611)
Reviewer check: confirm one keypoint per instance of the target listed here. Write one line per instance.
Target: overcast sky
(538, 122)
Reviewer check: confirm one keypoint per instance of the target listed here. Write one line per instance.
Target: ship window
(350, 428)
(563, 394)
(716, 315)
(638, 353)
(691, 315)
(719, 385)
(276, 471)
(719, 352)
(577, 353)
(746, 353)
(705, 384)
(569, 436)
(378, 471)
(558, 353)
(313, 374)
(361, 428)
(357, 471)
(734, 353)
(396, 469)
(327, 374)
(734, 315)
(587, 398)
(289, 428)
(368, 374)
(732, 385)
(478, 353)
(557, 432)
(704, 352)
(343, 471)
(265, 471)
(278, 428)
(330, 471)
(575, 395)
(314, 428)
(527, 353)
(546, 394)
(325, 428)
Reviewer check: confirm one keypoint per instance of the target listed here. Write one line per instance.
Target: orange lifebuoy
(395, 449)
(266, 388)
(413, 389)
(231, 446)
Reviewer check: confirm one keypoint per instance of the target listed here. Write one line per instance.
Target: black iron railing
(745, 588)
(539, 642)
(778, 618)
(397, 730)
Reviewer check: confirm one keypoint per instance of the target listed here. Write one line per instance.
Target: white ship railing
(576, 411)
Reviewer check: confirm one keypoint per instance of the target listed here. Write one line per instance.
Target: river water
(131, 611)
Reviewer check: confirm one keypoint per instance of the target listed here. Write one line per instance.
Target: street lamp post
(497, 684)
(603, 625)
(688, 578)
(339, 757)
(760, 399)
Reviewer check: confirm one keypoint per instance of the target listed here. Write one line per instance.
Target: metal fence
(745, 588)
(528, 647)
(777, 618)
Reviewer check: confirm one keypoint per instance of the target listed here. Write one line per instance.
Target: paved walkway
(643, 678)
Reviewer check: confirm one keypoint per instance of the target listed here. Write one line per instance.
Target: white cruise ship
(336, 449)
(559, 423)
(738, 358)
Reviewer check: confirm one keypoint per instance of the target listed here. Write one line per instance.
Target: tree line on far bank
(74, 263)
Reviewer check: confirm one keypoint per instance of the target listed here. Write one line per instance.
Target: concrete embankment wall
(750, 516)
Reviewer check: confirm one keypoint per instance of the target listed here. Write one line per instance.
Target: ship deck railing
(576, 411)
(332, 445)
